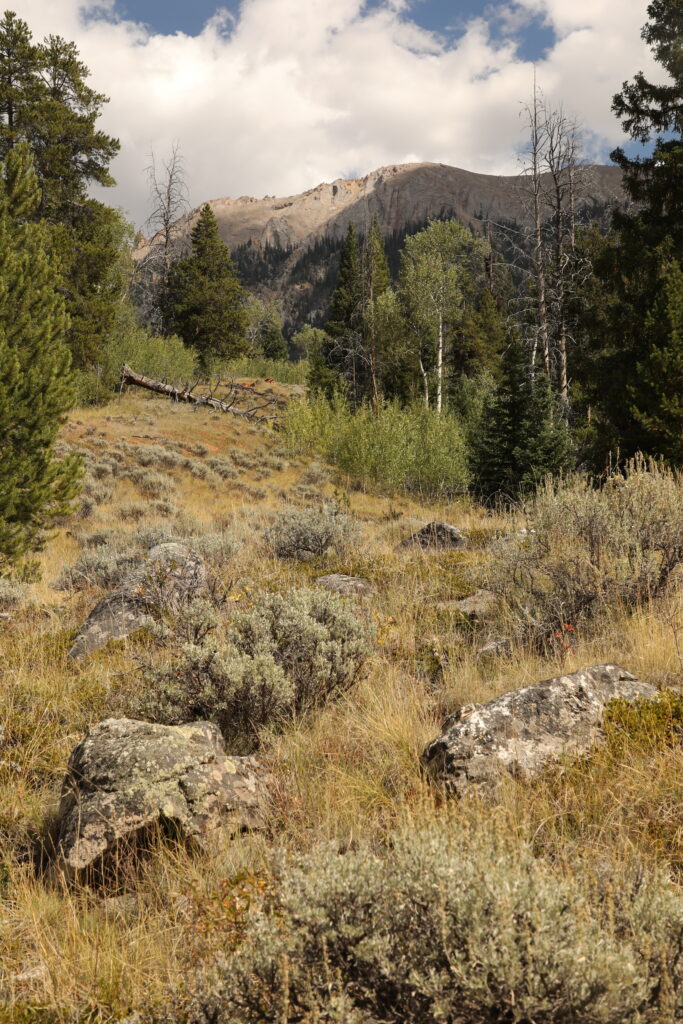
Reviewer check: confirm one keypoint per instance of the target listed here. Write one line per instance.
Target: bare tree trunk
(425, 384)
(186, 394)
(439, 367)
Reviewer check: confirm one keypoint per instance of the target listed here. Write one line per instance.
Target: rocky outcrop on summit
(171, 575)
(127, 776)
(525, 730)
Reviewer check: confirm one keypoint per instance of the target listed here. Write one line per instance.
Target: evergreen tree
(522, 436)
(35, 384)
(658, 397)
(626, 297)
(45, 101)
(273, 344)
(206, 298)
(337, 363)
(481, 341)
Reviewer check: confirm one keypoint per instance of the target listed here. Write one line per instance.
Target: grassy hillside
(348, 774)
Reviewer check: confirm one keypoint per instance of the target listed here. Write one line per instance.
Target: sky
(272, 97)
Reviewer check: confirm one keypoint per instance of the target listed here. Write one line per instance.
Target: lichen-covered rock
(126, 776)
(437, 535)
(477, 605)
(525, 730)
(170, 575)
(338, 583)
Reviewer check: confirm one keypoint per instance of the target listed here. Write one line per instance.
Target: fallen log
(187, 394)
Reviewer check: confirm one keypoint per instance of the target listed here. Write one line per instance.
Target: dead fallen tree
(187, 394)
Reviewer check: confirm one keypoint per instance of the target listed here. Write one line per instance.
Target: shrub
(281, 370)
(594, 547)
(12, 595)
(151, 483)
(283, 656)
(306, 532)
(410, 449)
(442, 925)
(217, 548)
(98, 567)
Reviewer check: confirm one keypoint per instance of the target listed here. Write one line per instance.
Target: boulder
(126, 776)
(437, 535)
(525, 730)
(171, 575)
(341, 584)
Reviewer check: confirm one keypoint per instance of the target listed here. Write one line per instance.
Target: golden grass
(352, 771)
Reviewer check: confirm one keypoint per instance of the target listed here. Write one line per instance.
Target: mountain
(287, 247)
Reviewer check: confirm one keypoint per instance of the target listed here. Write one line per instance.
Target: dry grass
(70, 954)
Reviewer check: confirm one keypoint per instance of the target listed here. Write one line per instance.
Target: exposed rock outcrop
(437, 535)
(525, 730)
(338, 583)
(126, 776)
(170, 575)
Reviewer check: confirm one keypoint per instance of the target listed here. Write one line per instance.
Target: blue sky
(446, 17)
(286, 94)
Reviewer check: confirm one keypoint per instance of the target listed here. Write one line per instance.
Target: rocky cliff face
(286, 247)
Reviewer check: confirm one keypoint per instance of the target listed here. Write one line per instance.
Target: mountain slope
(286, 246)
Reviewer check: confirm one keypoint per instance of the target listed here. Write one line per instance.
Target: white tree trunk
(439, 367)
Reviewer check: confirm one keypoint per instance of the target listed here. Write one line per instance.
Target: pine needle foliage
(36, 387)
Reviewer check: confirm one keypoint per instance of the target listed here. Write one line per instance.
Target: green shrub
(283, 656)
(260, 368)
(397, 449)
(306, 532)
(595, 547)
(442, 925)
(648, 724)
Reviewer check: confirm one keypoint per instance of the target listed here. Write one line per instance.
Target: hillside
(286, 246)
(149, 942)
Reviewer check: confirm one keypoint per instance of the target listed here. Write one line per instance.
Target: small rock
(496, 647)
(126, 776)
(477, 605)
(525, 730)
(341, 584)
(170, 576)
(437, 535)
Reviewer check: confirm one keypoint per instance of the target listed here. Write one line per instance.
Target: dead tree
(187, 394)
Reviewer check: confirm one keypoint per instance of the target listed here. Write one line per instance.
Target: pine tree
(35, 384)
(481, 341)
(621, 350)
(206, 298)
(45, 101)
(337, 364)
(522, 437)
(658, 396)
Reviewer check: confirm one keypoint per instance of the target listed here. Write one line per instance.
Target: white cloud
(294, 92)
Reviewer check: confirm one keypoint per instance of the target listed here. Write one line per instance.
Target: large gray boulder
(525, 730)
(170, 575)
(437, 535)
(126, 776)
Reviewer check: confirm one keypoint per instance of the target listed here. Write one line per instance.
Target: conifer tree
(337, 364)
(35, 384)
(45, 101)
(658, 396)
(482, 339)
(522, 437)
(207, 301)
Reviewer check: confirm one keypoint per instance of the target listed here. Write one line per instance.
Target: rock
(126, 776)
(477, 605)
(495, 647)
(341, 584)
(525, 730)
(170, 576)
(437, 535)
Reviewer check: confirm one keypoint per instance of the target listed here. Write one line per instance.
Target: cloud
(290, 93)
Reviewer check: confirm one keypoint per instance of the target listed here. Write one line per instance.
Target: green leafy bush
(260, 368)
(306, 532)
(595, 547)
(443, 925)
(283, 656)
(398, 449)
